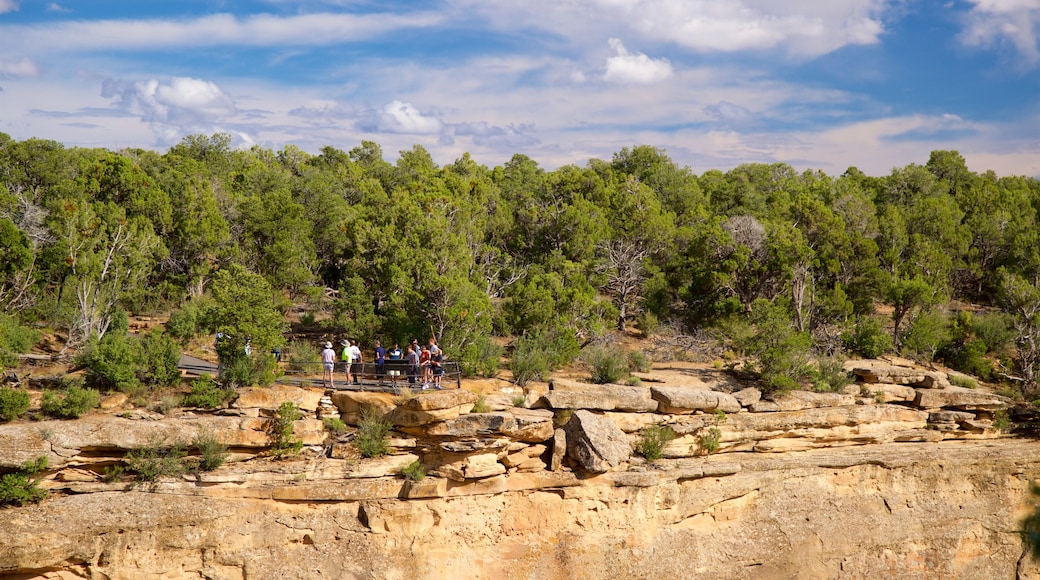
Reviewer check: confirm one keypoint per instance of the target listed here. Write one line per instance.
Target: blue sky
(819, 85)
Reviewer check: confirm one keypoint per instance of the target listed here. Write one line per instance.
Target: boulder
(478, 466)
(747, 397)
(686, 400)
(950, 416)
(307, 399)
(440, 400)
(352, 403)
(559, 450)
(473, 424)
(960, 398)
(896, 372)
(530, 425)
(798, 400)
(595, 442)
(565, 394)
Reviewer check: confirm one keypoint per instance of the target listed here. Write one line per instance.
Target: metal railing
(367, 374)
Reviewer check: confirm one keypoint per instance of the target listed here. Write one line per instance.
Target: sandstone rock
(559, 449)
(530, 425)
(684, 400)
(114, 401)
(959, 398)
(798, 400)
(305, 398)
(440, 400)
(386, 466)
(747, 397)
(949, 416)
(572, 395)
(595, 442)
(520, 457)
(477, 466)
(473, 424)
(471, 445)
(634, 422)
(352, 403)
(402, 417)
(890, 393)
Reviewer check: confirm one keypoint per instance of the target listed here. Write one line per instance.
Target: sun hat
(328, 345)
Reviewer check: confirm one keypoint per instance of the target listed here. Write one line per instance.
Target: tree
(1021, 299)
(906, 296)
(245, 313)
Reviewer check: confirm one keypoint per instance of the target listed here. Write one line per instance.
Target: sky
(820, 85)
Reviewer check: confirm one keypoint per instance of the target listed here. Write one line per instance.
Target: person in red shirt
(424, 367)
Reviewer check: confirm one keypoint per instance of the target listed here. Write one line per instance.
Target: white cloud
(173, 108)
(22, 68)
(400, 117)
(635, 68)
(213, 30)
(55, 7)
(995, 22)
(729, 113)
(8, 6)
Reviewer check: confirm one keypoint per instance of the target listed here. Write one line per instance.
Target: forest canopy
(932, 261)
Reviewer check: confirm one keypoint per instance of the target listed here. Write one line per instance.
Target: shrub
(188, 321)
(372, 439)
(168, 403)
(963, 381)
(481, 405)
(1001, 419)
(868, 338)
(830, 374)
(539, 352)
(14, 339)
(638, 361)
(75, 402)
(605, 365)
(710, 441)
(159, 358)
(480, 357)
(212, 452)
(652, 441)
(22, 487)
(285, 441)
(112, 362)
(155, 460)
(781, 353)
(207, 394)
(926, 336)
(634, 381)
(335, 425)
(307, 319)
(647, 323)
(414, 471)
(13, 403)
(520, 401)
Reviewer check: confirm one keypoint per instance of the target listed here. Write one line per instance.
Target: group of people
(423, 364)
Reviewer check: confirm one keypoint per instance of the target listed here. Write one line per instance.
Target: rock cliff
(833, 485)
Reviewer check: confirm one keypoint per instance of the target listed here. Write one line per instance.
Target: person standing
(437, 366)
(380, 353)
(355, 361)
(328, 361)
(345, 358)
(424, 366)
(413, 364)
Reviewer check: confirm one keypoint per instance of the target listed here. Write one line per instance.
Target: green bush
(480, 357)
(15, 339)
(13, 403)
(212, 453)
(155, 460)
(159, 358)
(540, 352)
(23, 486)
(283, 431)
(520, 401)
(112, 363)
(207, 394)
(868, 338)
(605, 364)
(414, 471)
(372, 439)
(711, 440)
(781, 353)
(481, 405)
(72, 404)
(830, 374)
(926, 336)
(638, 361)
(189, 320)
(652, 441)
(647, 323)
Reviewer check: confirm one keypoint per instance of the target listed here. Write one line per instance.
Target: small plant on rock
(480, 405)
(75, 402)
(285, 440)
(372, 439)
(13, 403)
(212, 452)
(653, 440)
(23, 486)
(157, 459)
(334, 425)
(520, 401)
(207, 394)
(604, 365)
(414, 471)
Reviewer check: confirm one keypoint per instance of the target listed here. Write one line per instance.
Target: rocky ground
(901, 473)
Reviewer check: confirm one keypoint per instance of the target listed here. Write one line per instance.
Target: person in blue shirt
(380, 362)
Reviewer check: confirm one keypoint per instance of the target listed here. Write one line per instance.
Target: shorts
(380, 369)
(438, 371)
(328, 366)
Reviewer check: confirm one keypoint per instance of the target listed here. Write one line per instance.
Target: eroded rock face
(595, 442)
(866, 512)
(681, 400)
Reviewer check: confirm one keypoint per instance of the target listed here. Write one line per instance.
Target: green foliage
(372, 439)
(414, 471)
(606, 365)
(781, 353)
(245, 312)
(1002, 420)
(638, 361)
(537, 354)
(188, 321)
(480, 405)
(711, 440)
(14, 339)
(112, 363)
(926, 336)
(868, 338)
(652, 441)
(283, 432)
(481, 357)
(13, 403)
(335, 425)
(159, 358)
(72, 404)
(212, 453)
(157, 459)
(963, 381)
(207, 394)
(22, 487)
(520, 401)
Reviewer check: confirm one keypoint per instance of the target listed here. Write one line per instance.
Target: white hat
(328, 345)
